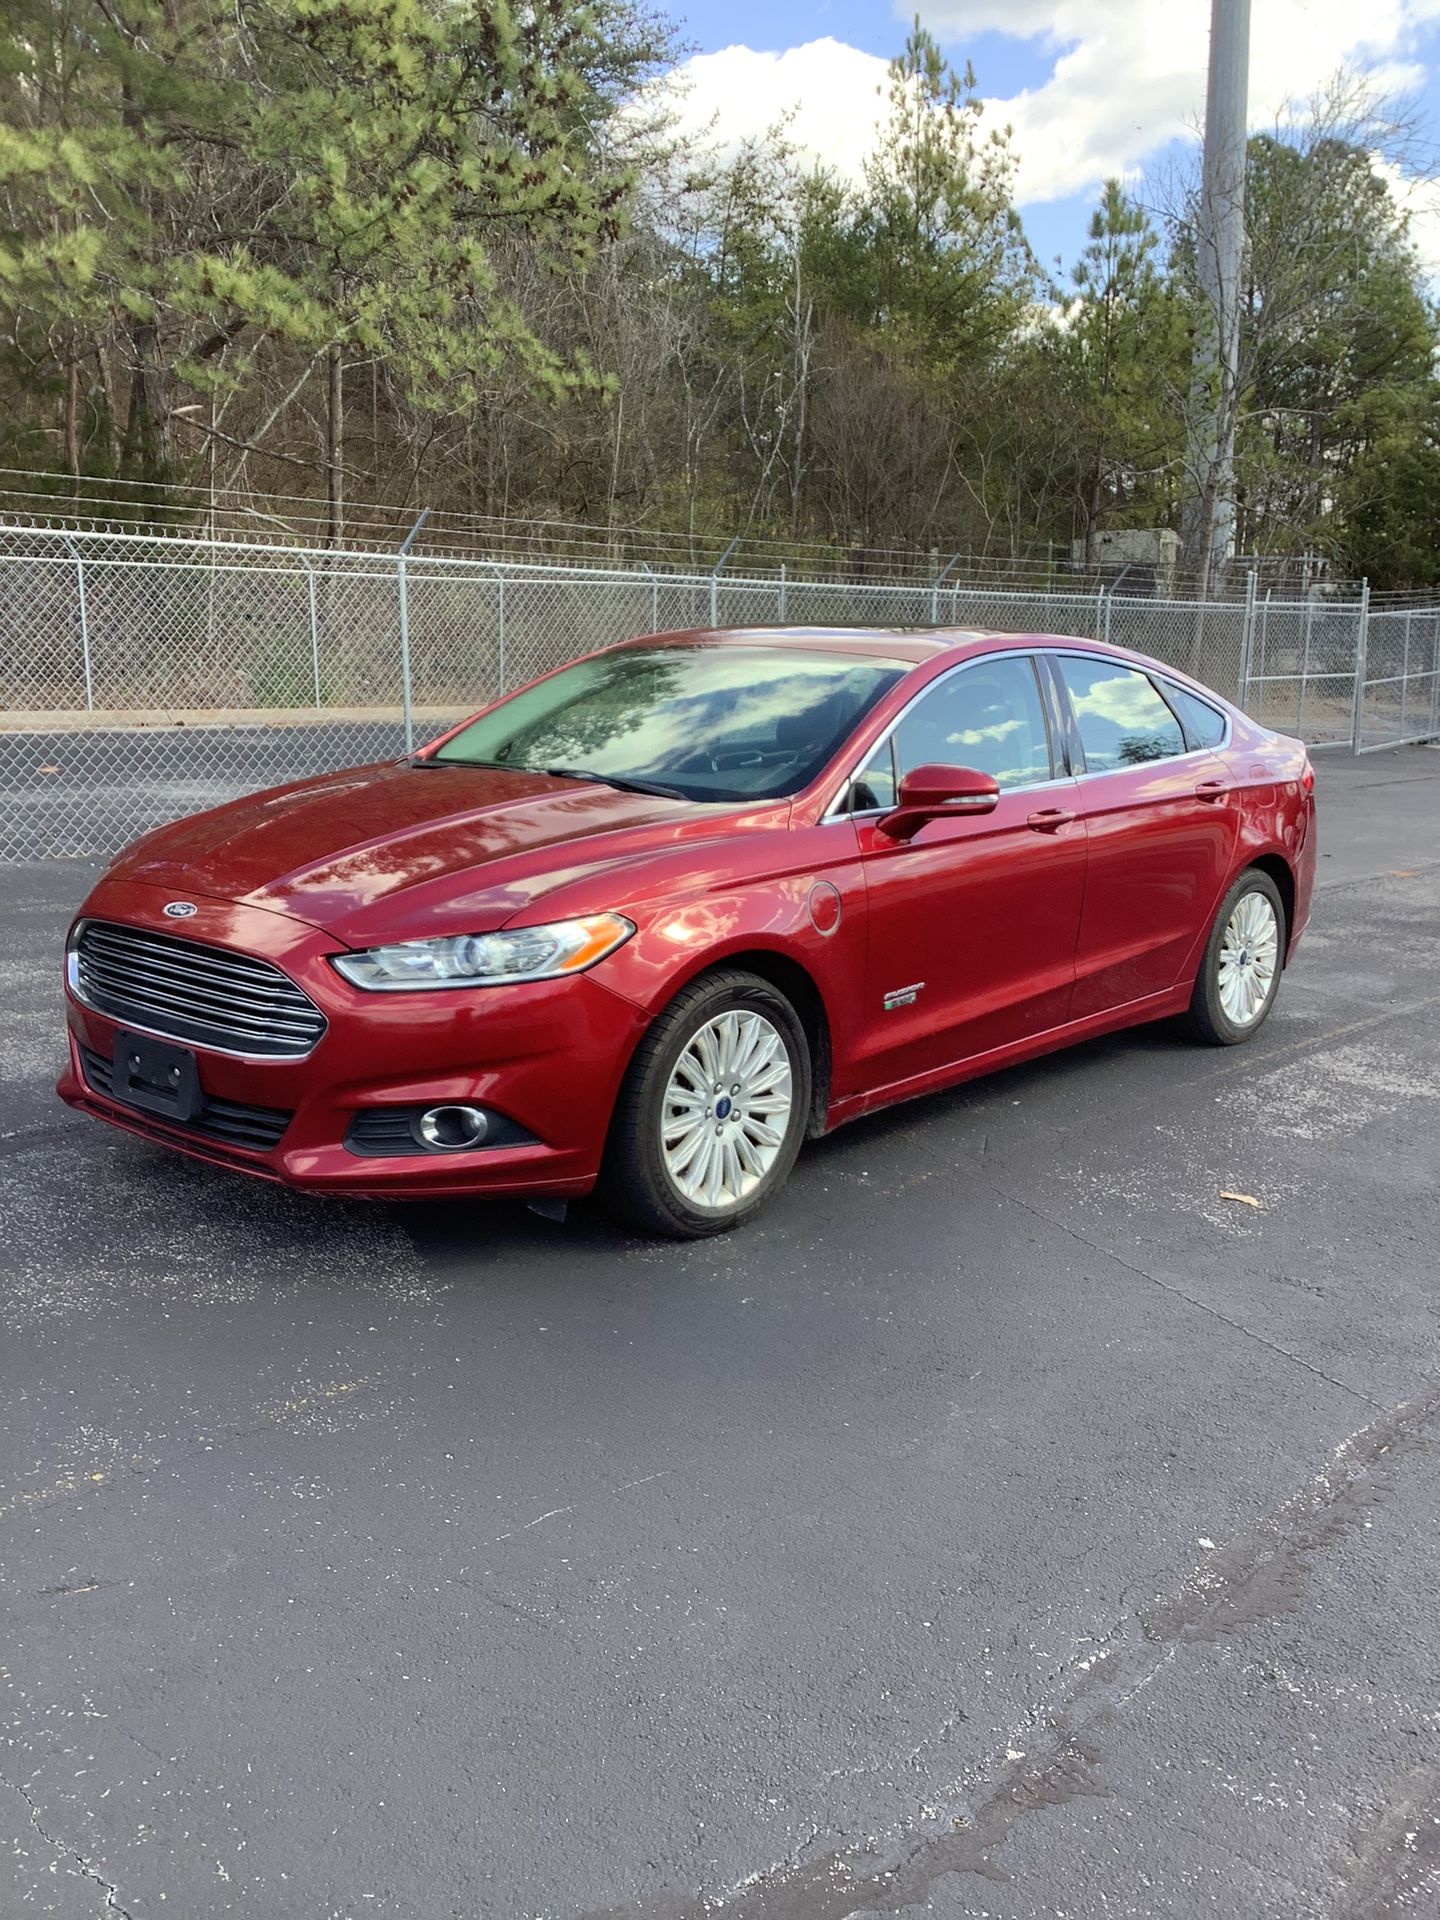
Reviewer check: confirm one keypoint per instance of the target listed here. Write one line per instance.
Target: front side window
(874, 787)
(988, 717)
(707, 723)
(1123, 721)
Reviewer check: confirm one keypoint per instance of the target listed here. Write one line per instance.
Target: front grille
(206, 995)
(256, 1128)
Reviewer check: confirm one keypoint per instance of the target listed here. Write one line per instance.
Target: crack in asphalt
(1317, 1043)
(1253, 1578)
(113, 1902)
(1168, 1286)
(23, 1139)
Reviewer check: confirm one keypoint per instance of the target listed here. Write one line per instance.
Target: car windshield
(706, 723)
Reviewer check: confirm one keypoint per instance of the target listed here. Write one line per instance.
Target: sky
(1090, 87)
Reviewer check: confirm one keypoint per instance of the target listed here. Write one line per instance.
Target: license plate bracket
(157, 1077)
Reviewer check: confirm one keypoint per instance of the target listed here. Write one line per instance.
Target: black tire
(1207, 1020)
(635, 1182)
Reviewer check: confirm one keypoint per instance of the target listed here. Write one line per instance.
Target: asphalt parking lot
(1009, 1524)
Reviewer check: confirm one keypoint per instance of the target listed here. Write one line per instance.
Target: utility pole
(1207, 527)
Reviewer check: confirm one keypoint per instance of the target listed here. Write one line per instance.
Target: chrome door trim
(836, 810)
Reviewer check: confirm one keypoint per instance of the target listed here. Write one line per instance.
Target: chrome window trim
(837, 809)
(1073, 653)
(1204, 700)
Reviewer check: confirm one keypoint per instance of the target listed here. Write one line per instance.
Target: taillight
(1307, 778)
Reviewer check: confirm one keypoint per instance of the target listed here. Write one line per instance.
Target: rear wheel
(1240, 974)
(712, 1111)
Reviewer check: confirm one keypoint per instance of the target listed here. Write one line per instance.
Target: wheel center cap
(722, 1108)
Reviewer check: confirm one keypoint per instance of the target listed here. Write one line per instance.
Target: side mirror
(935, 793)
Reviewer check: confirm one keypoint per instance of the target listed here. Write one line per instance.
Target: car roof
(909, 647)
(906, 646)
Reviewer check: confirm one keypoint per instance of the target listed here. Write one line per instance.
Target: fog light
(449, 1129)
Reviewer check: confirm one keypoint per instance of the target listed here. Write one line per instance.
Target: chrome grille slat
(114, 979)
(170, 969)
(188, 991)
(158, 1003)
(238, 965)
(169, 963)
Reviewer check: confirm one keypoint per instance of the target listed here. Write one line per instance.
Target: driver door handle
(1050, 819)
(1210, 790)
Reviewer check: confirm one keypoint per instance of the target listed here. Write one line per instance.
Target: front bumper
(549, 1055)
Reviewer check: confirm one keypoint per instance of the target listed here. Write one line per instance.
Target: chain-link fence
(145, 676)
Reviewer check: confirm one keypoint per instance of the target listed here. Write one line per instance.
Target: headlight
(486, 959)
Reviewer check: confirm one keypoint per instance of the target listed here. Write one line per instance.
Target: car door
(973, 922)
(1162, 818)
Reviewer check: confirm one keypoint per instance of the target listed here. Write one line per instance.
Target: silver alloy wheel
(1249, 956)
(726, 1110)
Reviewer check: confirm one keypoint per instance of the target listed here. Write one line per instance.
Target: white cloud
(1421, 200)
(835, 93)
(1128, 76)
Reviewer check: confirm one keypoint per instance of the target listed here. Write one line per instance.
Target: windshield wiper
(419, 760)
(620, 780)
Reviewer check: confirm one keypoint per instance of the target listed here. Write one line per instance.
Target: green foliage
(1121, 353)
(193, 178)
(941, 261)
(1389, 503)
(281, 244)
(1338, 346)
(399, 136)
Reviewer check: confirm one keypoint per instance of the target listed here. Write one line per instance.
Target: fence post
(403, 584)
(784, 583)
(1247, 641)
(402, 569)
(500, 613)
(937, 583)
(1109, 613)
(1435, 676)
(1362, 648)
(76, 556)
(649, 573)
(1405, 680)
(314, 632)
(1100, 613)
(1265, 642)
(1305, 662)
(715, 581)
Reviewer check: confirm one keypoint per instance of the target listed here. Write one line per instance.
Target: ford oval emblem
(179, 909)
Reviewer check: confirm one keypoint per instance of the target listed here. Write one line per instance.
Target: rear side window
(1204, 724)
(1123, 721)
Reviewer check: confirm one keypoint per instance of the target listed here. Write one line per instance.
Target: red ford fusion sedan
(650, 922)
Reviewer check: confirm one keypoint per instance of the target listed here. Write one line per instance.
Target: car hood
(394, 851)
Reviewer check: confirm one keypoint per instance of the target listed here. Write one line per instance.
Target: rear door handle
(1210, 790)
(1050, 820)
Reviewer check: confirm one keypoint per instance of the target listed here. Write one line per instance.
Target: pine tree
(948, 265)
(1122, 343)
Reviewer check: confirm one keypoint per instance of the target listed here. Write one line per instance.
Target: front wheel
(1240, 974)
(712, 1111)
